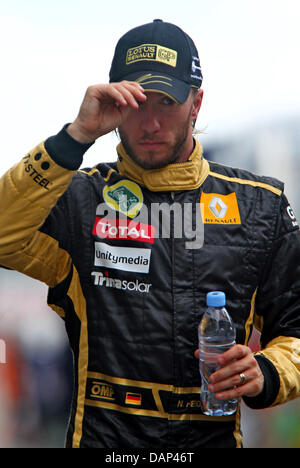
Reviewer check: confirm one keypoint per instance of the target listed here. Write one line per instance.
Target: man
(131, 297)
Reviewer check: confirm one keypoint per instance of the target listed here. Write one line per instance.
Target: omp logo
(219, 209)
(122, 258)
(123, 229)
(124, 196)
(102, 390)
(152, 52)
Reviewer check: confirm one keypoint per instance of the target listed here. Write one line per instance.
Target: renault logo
(218, 207)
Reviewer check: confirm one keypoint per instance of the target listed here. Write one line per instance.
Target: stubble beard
(172, 155)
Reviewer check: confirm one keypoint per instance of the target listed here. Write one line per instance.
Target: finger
(133, 85)
(236, 352)
(249, 389)
(234, 380)
(235, 367)
(129, 94)
(251, 384)
(119, 96)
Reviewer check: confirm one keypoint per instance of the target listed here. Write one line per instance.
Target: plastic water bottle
(216, 335)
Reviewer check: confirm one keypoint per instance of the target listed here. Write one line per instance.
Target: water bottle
(216, 335)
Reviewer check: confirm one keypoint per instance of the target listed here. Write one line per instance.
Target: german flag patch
(133, 399)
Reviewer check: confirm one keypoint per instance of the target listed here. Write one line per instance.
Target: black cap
(159, 56)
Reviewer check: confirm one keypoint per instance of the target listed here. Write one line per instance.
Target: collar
(178, 176)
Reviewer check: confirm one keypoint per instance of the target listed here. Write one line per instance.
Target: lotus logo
(218, 207)
(124, 196)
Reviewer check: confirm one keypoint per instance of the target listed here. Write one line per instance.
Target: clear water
(211, 406)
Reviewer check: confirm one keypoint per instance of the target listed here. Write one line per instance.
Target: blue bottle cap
(216, 299)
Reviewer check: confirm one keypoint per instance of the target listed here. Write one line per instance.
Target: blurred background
(51, 51)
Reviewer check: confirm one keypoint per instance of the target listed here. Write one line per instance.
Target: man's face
(160, 131)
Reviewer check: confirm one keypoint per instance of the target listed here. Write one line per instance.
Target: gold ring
(243, 378)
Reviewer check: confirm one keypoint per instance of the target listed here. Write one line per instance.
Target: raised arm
(31, 189)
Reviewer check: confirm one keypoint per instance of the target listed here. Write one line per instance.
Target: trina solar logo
(219, 209)
(115, 283)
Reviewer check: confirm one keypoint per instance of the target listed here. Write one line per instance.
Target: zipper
(174, 377)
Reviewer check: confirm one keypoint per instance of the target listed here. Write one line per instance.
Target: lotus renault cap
(160, 57)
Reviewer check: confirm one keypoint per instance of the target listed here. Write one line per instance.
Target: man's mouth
(151, 143)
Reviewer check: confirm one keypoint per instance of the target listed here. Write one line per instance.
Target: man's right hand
(104, 108)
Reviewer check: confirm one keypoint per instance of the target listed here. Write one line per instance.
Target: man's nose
(150, 122)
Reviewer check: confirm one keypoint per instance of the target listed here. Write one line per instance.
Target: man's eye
(168, 101)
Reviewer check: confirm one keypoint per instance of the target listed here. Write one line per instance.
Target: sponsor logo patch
(124, 196)
(36, 174)
(115, 283)
(152, 52)
(292, 216)
(219, 209)
(101, 390)
(122, 258)
(123, 229)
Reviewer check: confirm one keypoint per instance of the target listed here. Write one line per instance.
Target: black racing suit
(128, 265)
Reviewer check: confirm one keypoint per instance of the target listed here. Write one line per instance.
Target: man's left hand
(239, 375)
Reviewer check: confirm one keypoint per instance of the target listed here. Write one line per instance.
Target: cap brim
(160, 82)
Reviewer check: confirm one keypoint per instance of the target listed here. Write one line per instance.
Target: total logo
(132, 286)
(123, 229)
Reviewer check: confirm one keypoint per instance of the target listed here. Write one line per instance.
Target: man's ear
(197, 104)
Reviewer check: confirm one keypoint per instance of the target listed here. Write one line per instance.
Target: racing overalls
(129, 255)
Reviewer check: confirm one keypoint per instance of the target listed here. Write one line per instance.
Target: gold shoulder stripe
(110, 172)
(247, 182)
(94, 170)
(90, 173)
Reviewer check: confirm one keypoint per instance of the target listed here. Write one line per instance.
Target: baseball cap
(159, 56)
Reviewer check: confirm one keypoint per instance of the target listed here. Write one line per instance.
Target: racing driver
(132, 296)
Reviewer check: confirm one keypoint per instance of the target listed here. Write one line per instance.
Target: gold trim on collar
(179, 176)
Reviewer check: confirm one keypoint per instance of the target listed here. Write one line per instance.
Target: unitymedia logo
(122, 258)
